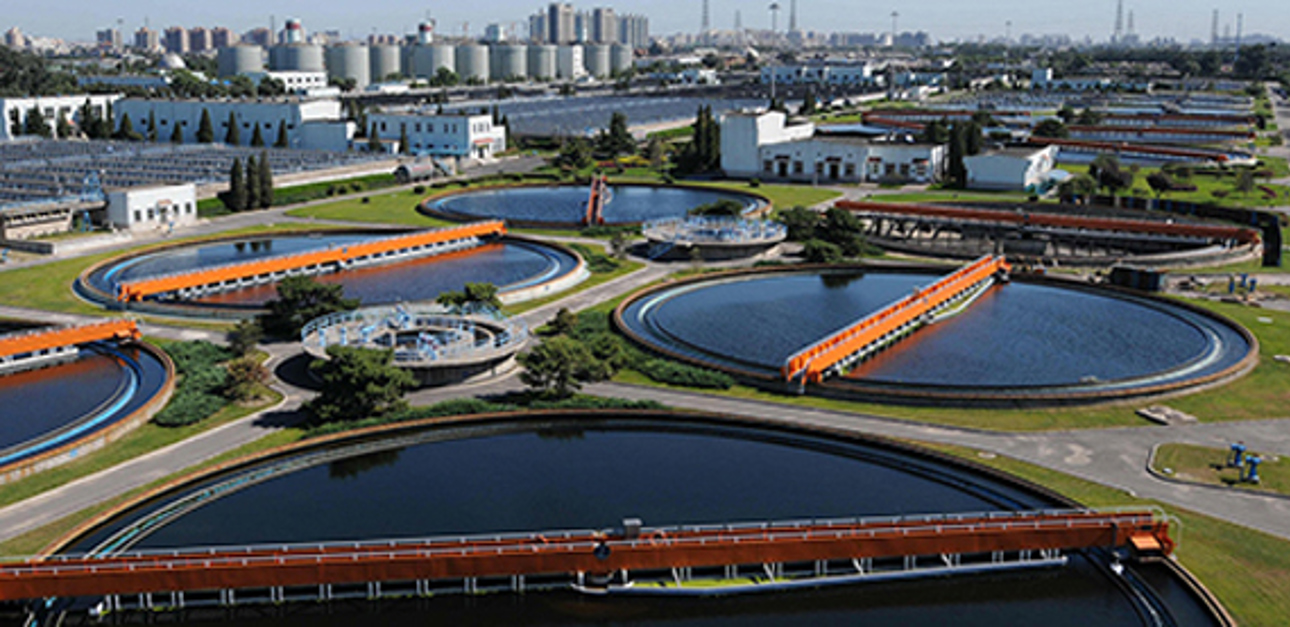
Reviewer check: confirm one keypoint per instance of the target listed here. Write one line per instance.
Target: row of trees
(250, 186)
(703, 153)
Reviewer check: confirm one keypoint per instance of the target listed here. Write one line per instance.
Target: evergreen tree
(282, 136)
(152, 126)
(714, 141)
(374, 140)
(234, 135)
(257, 140)
(177, 134)
(64, 128)
(266, 181)
(36, 123)
(252, 184)
(974, 139)
(955, 169)
(235, 197)
(404, 146)
(126, 130)
(205, 131)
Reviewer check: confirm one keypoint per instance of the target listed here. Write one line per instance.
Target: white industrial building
(444, 135)
(1012, 169)
(158, 207)
(294, 82)
(762, 145)
(311, 124)
(15, 111)
(840, 75)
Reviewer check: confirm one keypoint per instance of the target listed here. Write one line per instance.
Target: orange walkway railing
(596, 202)
(567, 552)
(811, 362)
(138, 290)
(36, 340)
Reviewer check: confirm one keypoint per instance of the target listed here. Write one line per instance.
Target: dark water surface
(508, 264)
(570, 474)
(567, 204)
(1017, 335)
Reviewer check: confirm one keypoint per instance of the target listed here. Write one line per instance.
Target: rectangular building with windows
(459, 136)
(309, 124)
(157, 207)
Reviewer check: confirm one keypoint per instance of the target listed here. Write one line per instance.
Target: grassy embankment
(1203, 464)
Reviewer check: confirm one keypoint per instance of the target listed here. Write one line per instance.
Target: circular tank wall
(425, 61)
(472, 62)
(297, 58)
(620, 58)
(508, 61)
(353, 62)
(542, 64)
(239, 60)
(596, 56)
(384, 62)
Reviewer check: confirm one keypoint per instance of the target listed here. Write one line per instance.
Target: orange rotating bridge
(319, 260)
(584, 552)
(38, 340)
(596, 202)
(890, 323)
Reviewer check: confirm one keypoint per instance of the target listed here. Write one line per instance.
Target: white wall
(295, 115)
(743, 133)
(1012, 172)
(51, 106)
(158, 207)
(467, 137)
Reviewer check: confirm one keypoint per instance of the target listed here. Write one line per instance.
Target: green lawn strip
(1261, 394)
(1204, 464)
(782, 196)
(1249, 571)
(1225, 184)
(145, 439)
(623, 267)
(32, 541)
(951, 196)
(398, 208)
(49, 286)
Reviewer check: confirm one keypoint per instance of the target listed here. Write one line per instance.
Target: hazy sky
(944, 19)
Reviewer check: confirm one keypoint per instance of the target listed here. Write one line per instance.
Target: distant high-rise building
(108, 39)
(222, 37)
(176, 40)
(496, 33)
(633, 30)
(604, 26)
(200, 39)
(538, 31)
(14, 39)
(705, 24)
(146, 39)
(792, 16)
(559, 22)
(262, 37)
(1213, 31)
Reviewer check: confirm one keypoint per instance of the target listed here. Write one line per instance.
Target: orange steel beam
(137, 290)
(42, 339)
(813, 360)
(596, 202)
(573, 552)
(1242, 235)
(1126, 147)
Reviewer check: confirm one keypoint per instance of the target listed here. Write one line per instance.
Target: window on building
(849, 169)
(189, 207)
(138, 216)
(797, 167)
(151, 214)
(417, 126)
(819, 167)
(767, 165)
(382, 126)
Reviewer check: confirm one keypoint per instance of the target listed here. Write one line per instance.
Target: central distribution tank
(542, 62)
(472, 62)
(508, 61)
(350, 61)
(238, 60)
(425, 61)
(384, 62)
(297, 58)
(597, 58)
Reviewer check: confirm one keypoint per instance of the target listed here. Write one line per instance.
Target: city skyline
(1183, 20)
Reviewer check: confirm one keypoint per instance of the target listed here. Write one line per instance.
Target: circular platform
(1030, 340)
(438, 344)
(521, 269)
(539, 471)
(566, 205)
(712, 238)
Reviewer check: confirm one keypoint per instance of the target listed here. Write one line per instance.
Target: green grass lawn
(49, 286)
(1203, 464)
(1206, 186)
(398, 208)
(1261, 394)
(952, 196)
(782, 196)
(1247, 570)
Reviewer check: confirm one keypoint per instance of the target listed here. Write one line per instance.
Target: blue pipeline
(135, 374)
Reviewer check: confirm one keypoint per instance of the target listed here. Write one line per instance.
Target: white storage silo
(297, 58)
(542, 65)
(238, 60)
(384, 62)
(620, 58)
(472, 62)
(425, 61)
(597, 58)
(352, 62)
(508, 61)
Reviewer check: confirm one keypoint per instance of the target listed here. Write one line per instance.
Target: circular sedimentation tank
(1032, 341)
(566, 205)
(47, 413)
(521, 269)
(578, 470)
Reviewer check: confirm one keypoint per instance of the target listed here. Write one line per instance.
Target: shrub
(366, 200)
(188, 407)
(820, 251)
(754, 182)
(419, 189)
(674, 373)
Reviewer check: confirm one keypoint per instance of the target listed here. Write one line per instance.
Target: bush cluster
(674, 373)
(202, 381)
